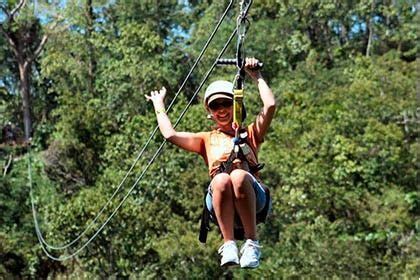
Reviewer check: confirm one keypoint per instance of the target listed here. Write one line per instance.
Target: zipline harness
(242, 25)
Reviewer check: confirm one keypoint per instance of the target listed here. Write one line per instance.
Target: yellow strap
(238, 96)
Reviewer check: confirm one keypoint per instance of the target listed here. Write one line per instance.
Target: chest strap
(238, 153)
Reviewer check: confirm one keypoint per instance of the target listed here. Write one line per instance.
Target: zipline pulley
(242, 26)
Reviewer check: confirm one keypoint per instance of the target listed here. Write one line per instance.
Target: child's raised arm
(266, 114)
(186, 140)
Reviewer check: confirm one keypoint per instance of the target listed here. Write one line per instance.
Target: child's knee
(240, 179)
(221, 183)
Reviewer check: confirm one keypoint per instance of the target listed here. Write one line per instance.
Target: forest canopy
(341, 154)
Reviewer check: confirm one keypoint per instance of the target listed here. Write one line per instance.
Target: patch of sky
(178, 32)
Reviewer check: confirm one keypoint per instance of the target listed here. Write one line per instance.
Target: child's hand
(251, 67)
(157, 97)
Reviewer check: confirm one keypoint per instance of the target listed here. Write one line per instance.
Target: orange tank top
(218, 146)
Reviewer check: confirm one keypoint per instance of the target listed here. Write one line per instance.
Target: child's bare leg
(245, 201)
(223, 204)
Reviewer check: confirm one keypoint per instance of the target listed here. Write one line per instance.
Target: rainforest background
(341, 155)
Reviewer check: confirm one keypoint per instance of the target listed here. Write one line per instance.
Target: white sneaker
(229, 252)
(250, 254)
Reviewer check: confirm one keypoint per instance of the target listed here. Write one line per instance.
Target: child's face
(221, 110)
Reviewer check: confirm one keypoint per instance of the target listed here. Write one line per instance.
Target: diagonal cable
(139, 156)
(139, 178)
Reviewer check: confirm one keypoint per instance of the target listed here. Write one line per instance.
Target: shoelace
(250, 244)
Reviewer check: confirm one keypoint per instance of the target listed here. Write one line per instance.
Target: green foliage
(341, 159)
(341, 155)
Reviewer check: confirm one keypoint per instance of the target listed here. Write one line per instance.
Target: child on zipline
(239, 191)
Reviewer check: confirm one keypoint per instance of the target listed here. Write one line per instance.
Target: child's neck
(226, 129)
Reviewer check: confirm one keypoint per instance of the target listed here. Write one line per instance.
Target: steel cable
(67, 245)
(37, 228)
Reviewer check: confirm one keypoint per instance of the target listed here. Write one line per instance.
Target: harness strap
(205, 223)
(237, 153)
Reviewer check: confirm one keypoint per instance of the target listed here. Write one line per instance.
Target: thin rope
(139, 156)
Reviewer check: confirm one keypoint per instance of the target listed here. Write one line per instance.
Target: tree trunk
(90, 17)
(19, 37)
(370, 29)
(25, 92)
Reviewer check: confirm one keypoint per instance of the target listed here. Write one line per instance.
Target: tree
(23, 33)
(341, 154)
